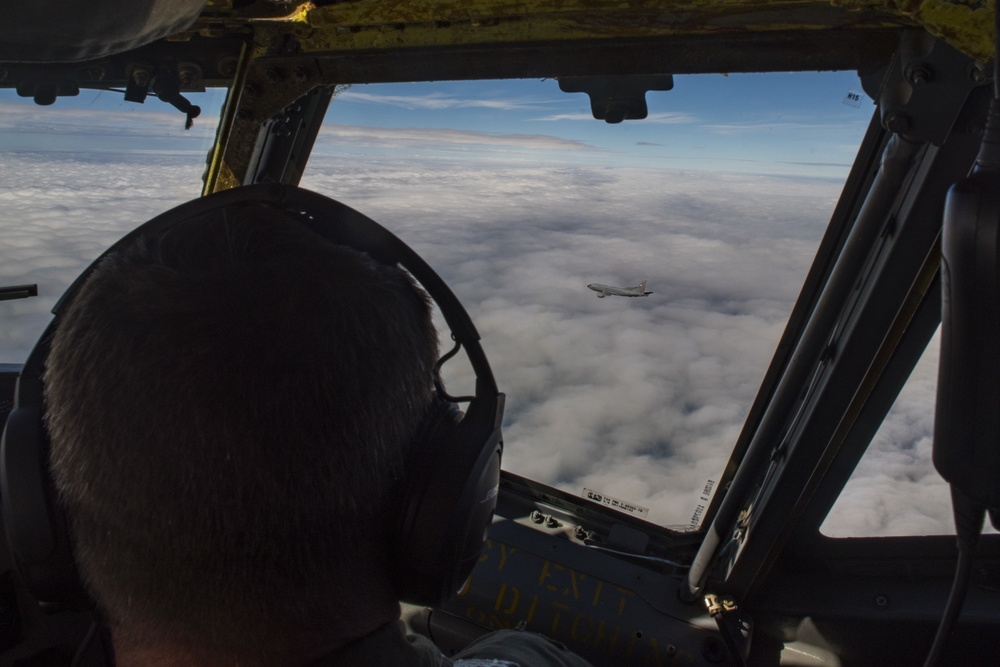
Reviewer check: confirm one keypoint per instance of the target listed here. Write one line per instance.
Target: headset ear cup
(446, 505)
(483, 492)
(35, 524)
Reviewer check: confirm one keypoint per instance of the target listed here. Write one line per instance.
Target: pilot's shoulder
(516, 648)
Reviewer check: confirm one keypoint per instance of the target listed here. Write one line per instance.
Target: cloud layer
(436, 139)
(59, 212)
(637, 398)
(641, 399)
(895, 489)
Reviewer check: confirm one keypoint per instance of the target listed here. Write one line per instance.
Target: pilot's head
(230, 404)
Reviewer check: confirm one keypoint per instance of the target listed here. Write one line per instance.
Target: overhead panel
(374, 41)
(378, 25)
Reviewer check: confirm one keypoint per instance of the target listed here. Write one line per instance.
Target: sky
(749, 123)
(519, 199)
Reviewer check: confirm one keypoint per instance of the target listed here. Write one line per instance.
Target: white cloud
(440, 101)
(895, 489)
(337, 136)
(59, 213)
(779, 125)
(638, 398)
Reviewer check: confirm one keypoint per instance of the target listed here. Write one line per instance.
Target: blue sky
(787, 123)
(763, 123)
(519, 199)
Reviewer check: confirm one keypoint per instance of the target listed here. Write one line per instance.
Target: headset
(450, 489)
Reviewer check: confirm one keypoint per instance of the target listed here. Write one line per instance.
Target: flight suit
(388, 646)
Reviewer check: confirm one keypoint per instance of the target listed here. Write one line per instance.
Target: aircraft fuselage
(605, 290)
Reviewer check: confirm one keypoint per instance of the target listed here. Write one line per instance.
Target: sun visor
(72, 31)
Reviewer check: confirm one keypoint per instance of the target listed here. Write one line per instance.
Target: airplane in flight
(754, 581)
(605, 290)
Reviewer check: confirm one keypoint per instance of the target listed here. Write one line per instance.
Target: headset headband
(353, 229)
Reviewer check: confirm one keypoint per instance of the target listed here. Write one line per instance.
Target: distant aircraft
(604, 290)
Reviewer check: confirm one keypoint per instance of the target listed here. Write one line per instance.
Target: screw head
(919, 74)
(977, 74)
(189, 75)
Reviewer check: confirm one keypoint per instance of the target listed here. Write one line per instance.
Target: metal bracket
(286, 139)
(254, 100)
(617, 98)
(44, 83)
(922, 91)
(736, 628)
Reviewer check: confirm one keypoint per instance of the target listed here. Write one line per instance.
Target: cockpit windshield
(714, 205)
(520, 199)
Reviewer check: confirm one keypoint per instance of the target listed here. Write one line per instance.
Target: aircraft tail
(642, 287)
